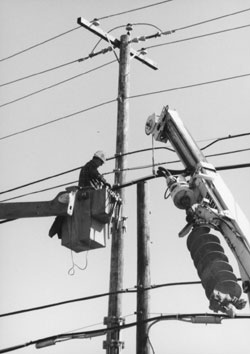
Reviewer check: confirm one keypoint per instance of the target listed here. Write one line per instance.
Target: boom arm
(208, 202)
(62, 204)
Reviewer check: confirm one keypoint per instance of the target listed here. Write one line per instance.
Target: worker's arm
(95, 174)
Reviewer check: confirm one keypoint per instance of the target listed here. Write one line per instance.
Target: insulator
(211, 263)
(129, 27)
(95, 22)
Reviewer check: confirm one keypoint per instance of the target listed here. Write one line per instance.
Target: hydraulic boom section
(209, 205)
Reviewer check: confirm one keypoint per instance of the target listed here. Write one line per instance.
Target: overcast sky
(33, 267)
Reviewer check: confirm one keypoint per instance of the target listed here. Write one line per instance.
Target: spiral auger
(216, 274)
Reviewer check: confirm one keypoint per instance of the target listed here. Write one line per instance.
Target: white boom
(208, 204)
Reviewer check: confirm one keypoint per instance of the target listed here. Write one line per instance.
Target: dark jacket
(90, 177)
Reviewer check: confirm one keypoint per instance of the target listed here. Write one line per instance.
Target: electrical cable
(224, 138)
(132, 10)
(149, 47)
(187, 317)
(92, 297)
(75, 28)
(197, 37)
(77, 168)
(56, 84)
(218, 168)
(130, 97)
(189, 86)
(42, 72)
(58, 119)
(39, 44)
(213, 19)
(117, 14)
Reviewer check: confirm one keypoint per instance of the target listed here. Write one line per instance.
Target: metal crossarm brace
(116, 42)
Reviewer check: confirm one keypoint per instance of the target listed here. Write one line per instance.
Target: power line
(218, 168)
(42, 72)
(76, 76)
(196, 37)
(68, 63)
(130, 153)
(212, 19)
(132, 10)
(59, 119)
(225, 138)
(92, 297)
(190, 85)
(39, 44)
(131, 97)
(149, 47)
(75, 28)
(56, 84)
(74, 61)
(187, 317)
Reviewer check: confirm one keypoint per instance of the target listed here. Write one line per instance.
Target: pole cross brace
(114, 41)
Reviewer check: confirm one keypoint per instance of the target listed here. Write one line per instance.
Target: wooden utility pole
(143, 268)
(113, 345)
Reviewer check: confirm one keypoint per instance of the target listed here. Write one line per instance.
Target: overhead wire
(148, 47)
(212, 19)
(190, 86)
(130, 97)
(97, 296)
(56, 84)
(39, 44)
(133, 10)
(197, 37)
(154, 46)
(58, 119)
(75, 28)
(218, 168)
(67, 63)
(225, 138)
(42, 72)
(230, 136)
(187, 317)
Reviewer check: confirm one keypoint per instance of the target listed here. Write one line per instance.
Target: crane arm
(62, 204)
(208, 204)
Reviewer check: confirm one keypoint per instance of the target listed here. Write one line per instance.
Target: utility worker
(90, 178)
(89, 174)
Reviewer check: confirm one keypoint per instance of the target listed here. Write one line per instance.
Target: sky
(33, 267)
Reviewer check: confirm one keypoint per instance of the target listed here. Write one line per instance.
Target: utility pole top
(114, 41)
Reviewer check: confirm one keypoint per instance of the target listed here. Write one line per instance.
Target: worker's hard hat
(100, 155)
